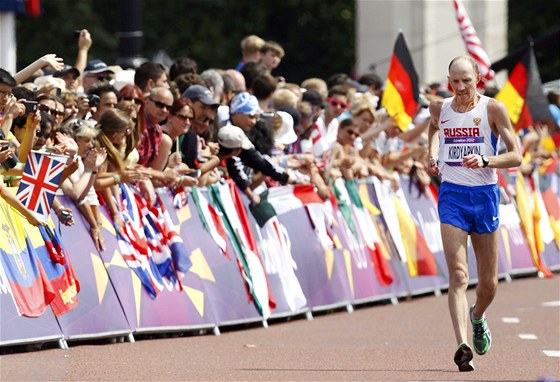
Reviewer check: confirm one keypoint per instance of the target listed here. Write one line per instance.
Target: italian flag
(226, 199)
(275, 247)
(211, 220)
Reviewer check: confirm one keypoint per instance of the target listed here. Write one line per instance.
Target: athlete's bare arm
(501, 125)
(433, 139)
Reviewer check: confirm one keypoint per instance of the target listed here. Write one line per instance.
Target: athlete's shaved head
(468, 59)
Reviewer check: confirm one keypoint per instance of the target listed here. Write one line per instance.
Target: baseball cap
(50, 81)
(97, 66)
(286, 135)
(201, 93)
(67, 69)
(313, 97)
(244, 103)
(232, 137)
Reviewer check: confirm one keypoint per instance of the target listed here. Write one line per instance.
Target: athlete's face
(463, 79)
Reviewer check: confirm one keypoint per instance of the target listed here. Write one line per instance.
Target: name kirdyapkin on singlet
(463, 134)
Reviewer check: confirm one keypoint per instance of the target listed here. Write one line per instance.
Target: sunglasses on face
(185, 118)
(5, 93)
(137, 101)
(336, 103)
(51, 111)
(353, 133)
(160, 105)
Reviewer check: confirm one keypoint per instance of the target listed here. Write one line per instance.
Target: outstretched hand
(57, 63)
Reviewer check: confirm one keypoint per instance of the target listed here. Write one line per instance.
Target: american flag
(40, 181)
(473, 43)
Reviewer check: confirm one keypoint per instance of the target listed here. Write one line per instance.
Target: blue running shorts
(474, 209)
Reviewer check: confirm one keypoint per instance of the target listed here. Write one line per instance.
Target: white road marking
(551, 304)
(527, 336)
(552, 353)
(510, 320)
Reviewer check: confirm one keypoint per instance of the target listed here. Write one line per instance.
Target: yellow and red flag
(401, 94)
(530, 217)
(420, 259)
(522, 94)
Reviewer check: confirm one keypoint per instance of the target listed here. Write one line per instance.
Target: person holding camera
(106, 98)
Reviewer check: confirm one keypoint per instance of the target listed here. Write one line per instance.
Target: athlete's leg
(486, 251)
(455, 248)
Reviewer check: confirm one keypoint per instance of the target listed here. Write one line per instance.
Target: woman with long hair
(114, 125)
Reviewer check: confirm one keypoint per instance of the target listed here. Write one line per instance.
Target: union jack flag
(40, 181)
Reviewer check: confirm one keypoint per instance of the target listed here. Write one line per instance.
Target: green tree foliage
(318, 36)
(532, 19)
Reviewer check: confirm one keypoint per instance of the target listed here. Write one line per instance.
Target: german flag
(401, 95)
(522, 94)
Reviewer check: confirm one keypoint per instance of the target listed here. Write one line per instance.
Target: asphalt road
(411, 341)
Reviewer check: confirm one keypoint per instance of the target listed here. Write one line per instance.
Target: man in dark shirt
(239, 153)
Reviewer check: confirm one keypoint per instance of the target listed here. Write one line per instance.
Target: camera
(65, 216)
(30, 106)
(11, 162)
(94, 100)
(76, 33)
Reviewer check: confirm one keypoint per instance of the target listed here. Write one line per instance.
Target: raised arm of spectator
(33, 120)
(84, 43)
(47, 60)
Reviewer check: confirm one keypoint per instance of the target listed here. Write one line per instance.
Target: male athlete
(465, 152)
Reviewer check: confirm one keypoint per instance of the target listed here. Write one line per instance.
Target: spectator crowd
(176, 127)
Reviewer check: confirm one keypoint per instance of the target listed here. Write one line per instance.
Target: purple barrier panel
(99, 312)
(516, 253)
(323, 275)
(221, 281)
(17, 330)
(551, 255)
(363, 280)
(171, 310)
